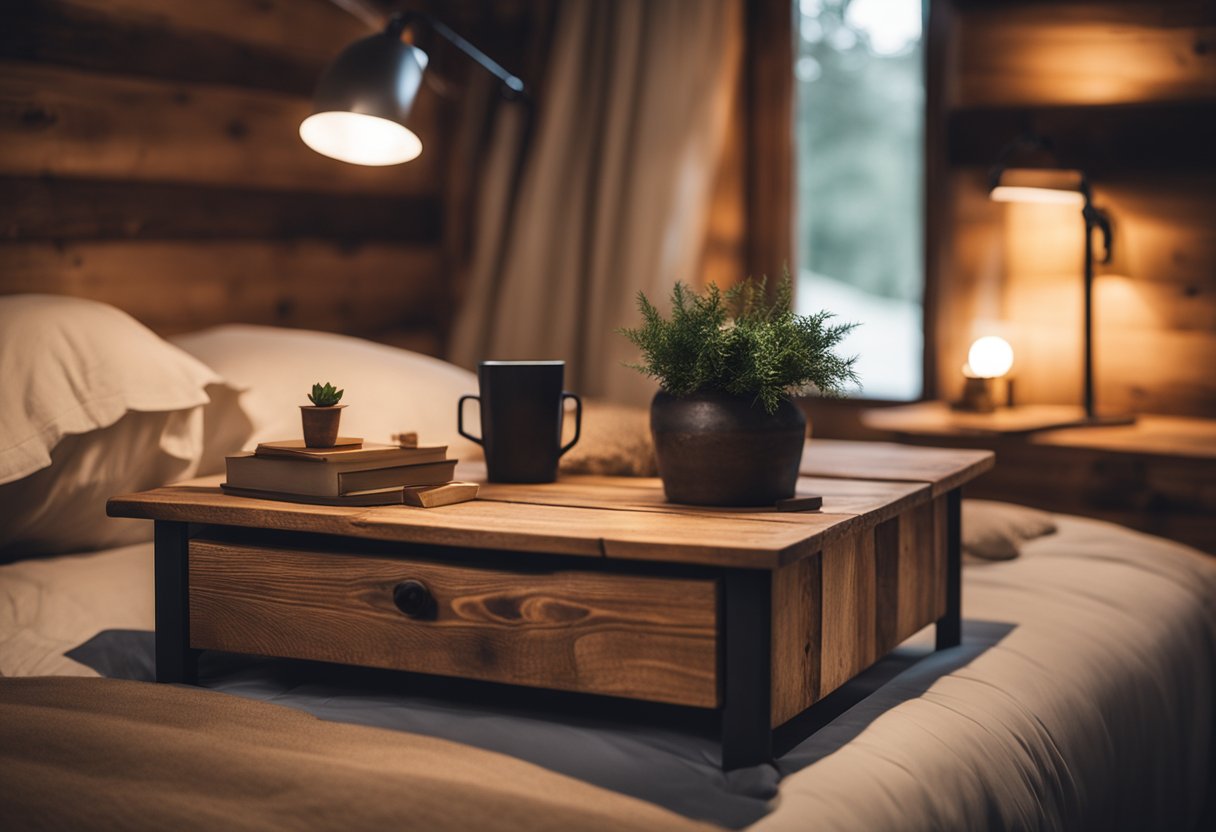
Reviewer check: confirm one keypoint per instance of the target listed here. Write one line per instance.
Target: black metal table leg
(175, 661)
(747, 737)
(950, 625)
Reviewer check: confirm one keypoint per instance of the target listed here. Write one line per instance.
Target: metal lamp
(364, 98)
(1012, 183)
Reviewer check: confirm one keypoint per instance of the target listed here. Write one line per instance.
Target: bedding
(255, 766)
(95, 404)
(997, 531)
(1082, 698)
(388, 390)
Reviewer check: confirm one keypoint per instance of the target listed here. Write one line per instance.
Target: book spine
(435, 473)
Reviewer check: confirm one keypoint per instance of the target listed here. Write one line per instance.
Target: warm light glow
(990, 357)
(360, 139)
(1048, 196)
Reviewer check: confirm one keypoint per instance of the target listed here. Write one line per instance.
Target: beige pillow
(388, 390)
(95, 404)
(615, 441)
(71, 366)
(62, 508)
(996, 531)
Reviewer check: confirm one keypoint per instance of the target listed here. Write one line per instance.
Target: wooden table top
(862, 484)
(1172, 436)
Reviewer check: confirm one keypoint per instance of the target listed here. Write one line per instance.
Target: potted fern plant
(726, 431)
(322, 417)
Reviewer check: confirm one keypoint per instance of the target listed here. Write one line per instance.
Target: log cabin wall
(1126, 91)
(149, 158)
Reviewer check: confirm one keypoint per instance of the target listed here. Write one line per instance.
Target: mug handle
(460, 417)
(578, 420)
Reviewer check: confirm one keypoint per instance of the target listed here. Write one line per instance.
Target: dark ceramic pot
(715, 449)
(321, 424)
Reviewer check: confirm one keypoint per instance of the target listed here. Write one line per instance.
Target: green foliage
(860, 137)
(740, 344)
(325, 396)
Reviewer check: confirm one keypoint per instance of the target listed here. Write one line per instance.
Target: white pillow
(388, 390)
(95, 404)
(996, 531)
(62, 508)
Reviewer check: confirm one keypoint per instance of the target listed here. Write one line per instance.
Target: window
(859, 123)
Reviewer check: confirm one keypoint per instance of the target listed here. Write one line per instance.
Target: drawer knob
(414, 599)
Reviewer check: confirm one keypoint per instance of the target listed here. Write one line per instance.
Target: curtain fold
(606, 192)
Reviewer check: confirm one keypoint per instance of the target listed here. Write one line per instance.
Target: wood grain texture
(174, 286)
(887, 584)
(1154, 476)
(944, 468)
(838, 612)
(874, 498)
(591, 516)
(849, 611)
(1086, 52)
(86, 209)
(921, 570)
(1124, 91)
(70, 123)
(269, 44)
(769, 136)
(797, 635)
(176, 124)
(603, 532)
(650, 638)
(1104, 139)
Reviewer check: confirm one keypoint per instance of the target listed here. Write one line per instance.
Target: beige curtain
(606, 193)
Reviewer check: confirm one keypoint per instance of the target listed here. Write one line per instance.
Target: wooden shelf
(1154, 475)
(1098, 138)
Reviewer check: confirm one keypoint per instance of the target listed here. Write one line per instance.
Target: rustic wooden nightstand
(1156, 475)
(590, 584)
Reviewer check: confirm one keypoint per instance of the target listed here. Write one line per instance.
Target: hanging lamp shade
(363, 101)
(1050, 187)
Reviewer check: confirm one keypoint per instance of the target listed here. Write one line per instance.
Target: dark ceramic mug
(521, 419)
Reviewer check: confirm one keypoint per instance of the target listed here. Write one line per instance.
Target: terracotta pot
(715, 449)
(321, 424)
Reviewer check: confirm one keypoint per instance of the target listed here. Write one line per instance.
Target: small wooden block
(800, 504)
(432, 496)
(406, 440)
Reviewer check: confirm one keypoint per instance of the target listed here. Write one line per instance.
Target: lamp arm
(512, 87)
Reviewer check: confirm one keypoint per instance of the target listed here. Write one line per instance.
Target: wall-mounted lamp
(989, 358)
(363, 100)
(1011, 182)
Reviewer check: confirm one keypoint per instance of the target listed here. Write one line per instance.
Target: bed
(1082, 696)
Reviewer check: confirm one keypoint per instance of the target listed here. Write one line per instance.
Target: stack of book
(352, 473)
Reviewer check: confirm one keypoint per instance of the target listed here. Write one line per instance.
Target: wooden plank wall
(751, 218)
(1126, 90)
(149, 158)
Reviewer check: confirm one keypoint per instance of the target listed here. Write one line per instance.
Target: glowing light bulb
(990, 357)
(360, 139)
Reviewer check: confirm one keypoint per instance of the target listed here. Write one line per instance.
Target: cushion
(996, 531)
(388, 390)
(615, 441)
(95, 404)
(62, 508)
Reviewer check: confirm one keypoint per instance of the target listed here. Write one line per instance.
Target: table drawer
(638, 636)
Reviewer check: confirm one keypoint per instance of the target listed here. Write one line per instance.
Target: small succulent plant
(325, 396)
